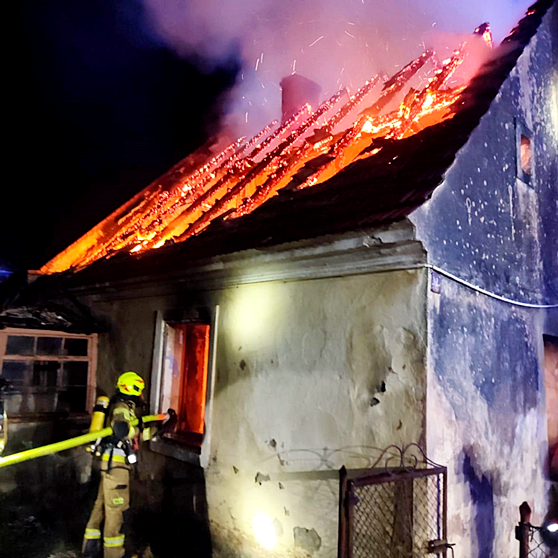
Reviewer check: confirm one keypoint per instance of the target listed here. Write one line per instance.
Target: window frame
(521, 130)
(176, 448)
(90, 358)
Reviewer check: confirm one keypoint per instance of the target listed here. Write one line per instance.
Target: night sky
(98, 107)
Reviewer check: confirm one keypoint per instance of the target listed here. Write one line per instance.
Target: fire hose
(49, 449)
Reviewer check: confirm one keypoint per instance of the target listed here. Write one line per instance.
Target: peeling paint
(306, 539)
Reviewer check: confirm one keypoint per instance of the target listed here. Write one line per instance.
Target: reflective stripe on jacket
(118, 456)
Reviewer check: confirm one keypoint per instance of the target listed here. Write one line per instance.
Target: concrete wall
(311, 375)
(551, 386)
(486, 403)
(486, 225)
(486, 416)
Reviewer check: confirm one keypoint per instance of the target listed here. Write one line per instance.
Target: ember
(484, 31)
(314, 144)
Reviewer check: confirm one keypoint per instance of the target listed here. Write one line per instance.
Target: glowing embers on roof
(243, 175)
(484, 31)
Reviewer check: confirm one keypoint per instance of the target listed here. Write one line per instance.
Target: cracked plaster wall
(486, 402)
(311, 375)
(299, 367)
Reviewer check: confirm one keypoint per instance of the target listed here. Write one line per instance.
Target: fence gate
(395, 511)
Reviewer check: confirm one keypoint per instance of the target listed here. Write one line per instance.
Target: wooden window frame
(176, 449)
(91, 359)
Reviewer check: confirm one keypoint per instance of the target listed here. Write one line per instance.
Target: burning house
(378, 269)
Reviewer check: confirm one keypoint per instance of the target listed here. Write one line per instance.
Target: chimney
(296, 92)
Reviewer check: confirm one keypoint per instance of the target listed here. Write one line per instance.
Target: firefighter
(113, 498)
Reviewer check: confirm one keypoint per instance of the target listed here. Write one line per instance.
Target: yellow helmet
(130, 383)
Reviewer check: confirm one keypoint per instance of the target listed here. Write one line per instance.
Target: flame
(367, 127)
(486, 34)
(428, 101)
(245, 174)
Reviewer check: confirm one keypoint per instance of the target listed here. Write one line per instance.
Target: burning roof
(353, 161)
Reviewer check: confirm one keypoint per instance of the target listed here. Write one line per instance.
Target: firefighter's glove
(170, 420)
(169, 424)
(121, 429)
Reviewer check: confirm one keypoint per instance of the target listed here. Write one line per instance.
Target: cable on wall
(484, 291)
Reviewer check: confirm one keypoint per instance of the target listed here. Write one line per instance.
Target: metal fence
(537, 548)
(531, 544)
(394, 512)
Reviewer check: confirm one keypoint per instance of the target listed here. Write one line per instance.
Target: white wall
(299, 364)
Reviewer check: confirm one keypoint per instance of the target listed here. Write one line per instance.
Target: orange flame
(247, 173)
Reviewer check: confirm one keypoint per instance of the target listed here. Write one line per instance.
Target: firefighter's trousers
(113, 499)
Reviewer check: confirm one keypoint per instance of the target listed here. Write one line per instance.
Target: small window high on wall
(524, 152)
(183, 378)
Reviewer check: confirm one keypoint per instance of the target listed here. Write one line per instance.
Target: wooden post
(350, 511)
(342, 542)
(522, 534)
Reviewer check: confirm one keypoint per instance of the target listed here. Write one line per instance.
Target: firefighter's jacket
(106, 524)
(120, 411)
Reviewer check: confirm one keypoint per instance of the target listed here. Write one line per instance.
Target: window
(48, 372)
(183, 378)
(524, 152)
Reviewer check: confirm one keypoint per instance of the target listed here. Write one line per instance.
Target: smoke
(338, 43)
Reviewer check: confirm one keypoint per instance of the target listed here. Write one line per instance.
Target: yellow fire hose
(67, 444)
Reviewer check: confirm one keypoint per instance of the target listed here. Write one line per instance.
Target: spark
(318, 39)
(247, 173)
(352, 36)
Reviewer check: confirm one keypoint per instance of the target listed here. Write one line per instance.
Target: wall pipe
(68, 444)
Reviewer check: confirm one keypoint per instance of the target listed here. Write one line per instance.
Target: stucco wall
(551, 386)
(483, 223)
(486, 403)
(311, 375)
(486, 416)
